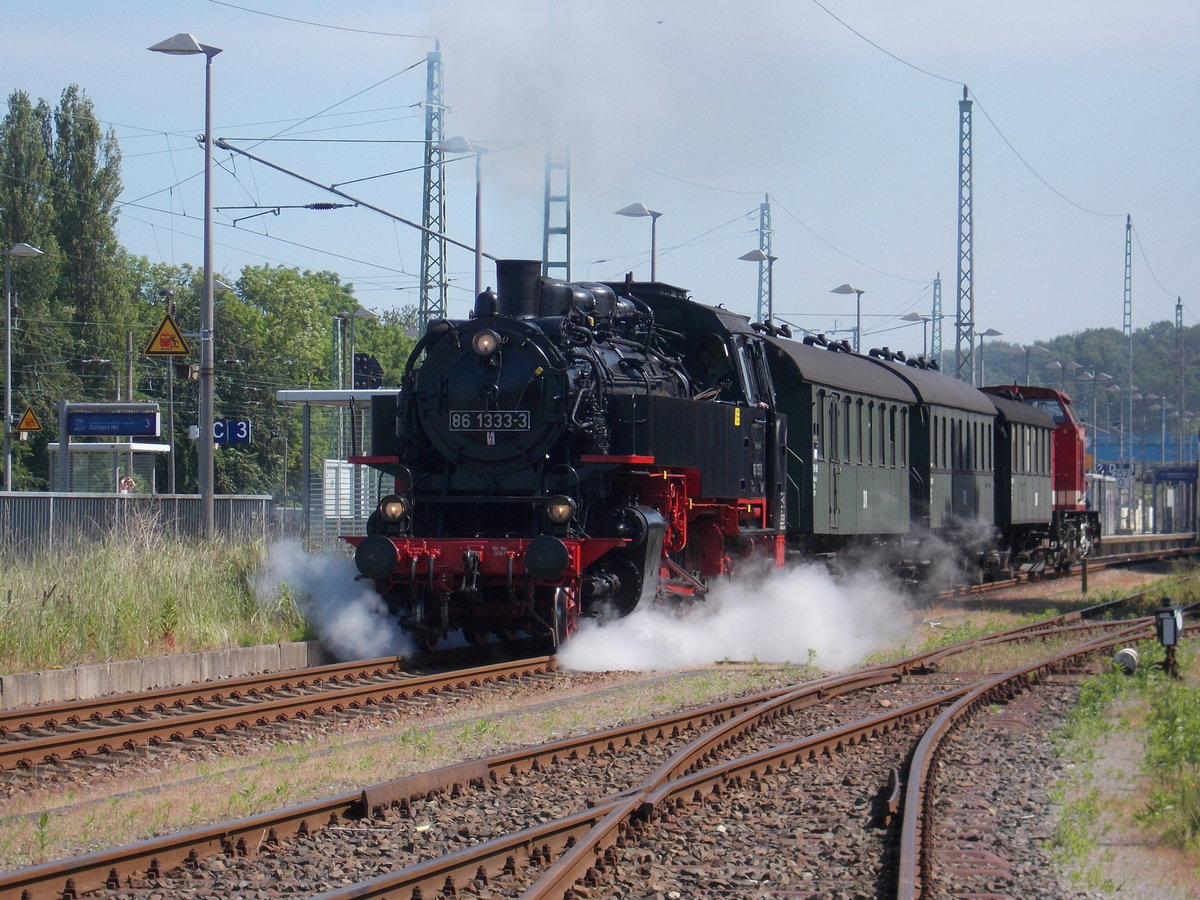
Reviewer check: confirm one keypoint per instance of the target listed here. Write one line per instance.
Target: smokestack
(518, 286)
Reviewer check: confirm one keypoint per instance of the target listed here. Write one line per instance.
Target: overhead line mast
(935, 343)
(556, 233)
(964, 322)
(433, 216)
(764, 267)
(1127, 326)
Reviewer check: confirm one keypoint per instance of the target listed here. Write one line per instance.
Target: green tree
(85, 183)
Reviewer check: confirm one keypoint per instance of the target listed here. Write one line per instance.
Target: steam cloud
(781, 619)
(350, 619)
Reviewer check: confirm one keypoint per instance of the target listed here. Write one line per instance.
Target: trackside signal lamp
(561, 509)
(485, 342)
(393, 508)
(1168, 624)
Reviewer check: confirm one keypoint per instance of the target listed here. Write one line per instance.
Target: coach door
(839, 448)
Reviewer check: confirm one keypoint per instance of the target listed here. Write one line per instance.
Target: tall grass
(1169, 713)
(131, 593)
(1173, 759)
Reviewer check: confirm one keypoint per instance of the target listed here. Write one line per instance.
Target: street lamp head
(362, 312)
(219, 285)
(758, 256)
(847, 289)
(456, 144)
(638, 211)
(991, 332)
(914, 317)
(20, 248)
(184, 44)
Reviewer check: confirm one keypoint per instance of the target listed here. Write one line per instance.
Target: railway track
(1121, 550)
(34, 738)
(581, 817)
(47, 735)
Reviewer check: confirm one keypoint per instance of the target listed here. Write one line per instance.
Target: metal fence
(32, 521)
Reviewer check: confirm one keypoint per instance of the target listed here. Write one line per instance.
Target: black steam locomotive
(579, 449)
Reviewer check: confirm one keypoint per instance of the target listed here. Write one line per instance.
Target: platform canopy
(360, 399)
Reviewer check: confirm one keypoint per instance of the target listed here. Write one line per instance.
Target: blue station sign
(231, 431)
(110, 423)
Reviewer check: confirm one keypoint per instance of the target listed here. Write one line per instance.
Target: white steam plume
(798, 615)
(350, 619)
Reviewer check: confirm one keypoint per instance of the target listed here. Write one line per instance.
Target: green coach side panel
(848, 439)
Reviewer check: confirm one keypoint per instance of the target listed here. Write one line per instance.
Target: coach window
(846, 449)
(891, 436)
(831, 430)
(870, 432)
(818, 442)
(881, 431)
(858, 425)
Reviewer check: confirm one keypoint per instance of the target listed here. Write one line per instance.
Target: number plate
(489, 420)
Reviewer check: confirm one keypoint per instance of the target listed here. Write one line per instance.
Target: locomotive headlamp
(485, 342)
(560, 509)
(393, 508)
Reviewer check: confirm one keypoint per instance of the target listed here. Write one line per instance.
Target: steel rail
(50, 715)
(118, 865)
(575, 842)
(582, 861)
(245, 836)
(914, 863)
(128, 735)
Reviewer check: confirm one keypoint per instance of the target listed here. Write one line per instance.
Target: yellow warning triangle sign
(167, 340)
(29, 422)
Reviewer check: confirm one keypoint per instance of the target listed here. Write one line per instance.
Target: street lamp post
(1028, 351)
(638, 211)
(991, 332)
(187, 45)
(18, 249)
(759, 257)
(459, 144)
(169, 296)
(1096, 377)
(924, 320)
(858, 292)
(1116, 390)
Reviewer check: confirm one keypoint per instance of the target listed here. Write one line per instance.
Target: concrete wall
(128, 676)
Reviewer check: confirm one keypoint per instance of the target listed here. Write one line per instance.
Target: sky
(845, 114)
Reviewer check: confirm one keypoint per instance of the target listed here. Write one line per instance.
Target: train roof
(842, 370)
(673, 308)
(1016, 411)
(933, 387)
